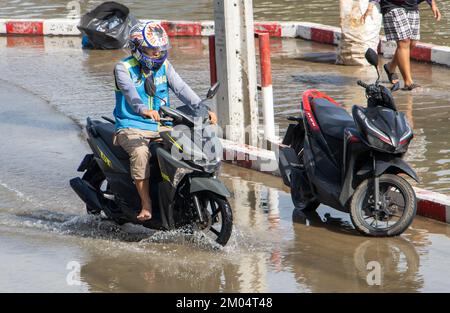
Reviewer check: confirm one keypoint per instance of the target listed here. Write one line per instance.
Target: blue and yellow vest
(124, 114)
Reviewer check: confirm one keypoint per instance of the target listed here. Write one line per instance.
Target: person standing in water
(401, 20)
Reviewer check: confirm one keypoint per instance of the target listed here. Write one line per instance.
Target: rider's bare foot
(144, 215)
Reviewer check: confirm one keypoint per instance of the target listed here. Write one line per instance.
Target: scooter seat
(106, 132)
(332, 119)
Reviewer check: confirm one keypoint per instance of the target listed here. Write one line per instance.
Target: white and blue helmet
(149, 35)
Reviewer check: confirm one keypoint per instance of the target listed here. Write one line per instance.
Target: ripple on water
(99, 227)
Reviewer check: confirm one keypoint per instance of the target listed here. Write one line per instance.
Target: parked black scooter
(184, 187)
(352, 164)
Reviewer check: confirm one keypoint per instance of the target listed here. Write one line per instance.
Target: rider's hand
(436, 12)
(212, 117)
(151, 114)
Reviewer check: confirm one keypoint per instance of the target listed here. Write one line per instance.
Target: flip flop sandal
(391, 76)
(411, 87)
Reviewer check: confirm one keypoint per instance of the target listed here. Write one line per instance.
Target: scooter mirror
(212, 91)
(372, 57)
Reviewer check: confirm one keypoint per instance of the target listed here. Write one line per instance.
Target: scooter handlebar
(362, 84)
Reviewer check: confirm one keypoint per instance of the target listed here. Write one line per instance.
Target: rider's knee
(139, 163)
(140, 154)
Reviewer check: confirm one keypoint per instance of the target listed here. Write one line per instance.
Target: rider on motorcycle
(136, 112)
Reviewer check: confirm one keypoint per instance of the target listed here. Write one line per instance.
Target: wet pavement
(318, 11)
(49, 86)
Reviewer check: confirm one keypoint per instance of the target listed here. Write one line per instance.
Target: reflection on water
(273, 249)
(318, 11)
(319, 252)
(349, 256)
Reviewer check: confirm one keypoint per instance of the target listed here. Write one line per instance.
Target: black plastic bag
(107, 26)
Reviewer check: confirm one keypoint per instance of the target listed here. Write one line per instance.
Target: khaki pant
(136, 143)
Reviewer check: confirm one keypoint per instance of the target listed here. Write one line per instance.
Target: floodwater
(79, 84)
(318, 11)
(48, 243)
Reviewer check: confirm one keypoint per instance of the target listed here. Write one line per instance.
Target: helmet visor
(153, 53)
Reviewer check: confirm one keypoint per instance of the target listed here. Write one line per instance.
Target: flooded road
(47, 242)
(79, 84)
(318, 11)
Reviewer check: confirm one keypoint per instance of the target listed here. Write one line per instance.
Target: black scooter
(352, 163)
(185, 190)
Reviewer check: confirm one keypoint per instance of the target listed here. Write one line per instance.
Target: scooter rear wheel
(397, 207)
(95, 177)
(299, 203)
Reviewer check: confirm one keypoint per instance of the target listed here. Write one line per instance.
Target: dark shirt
(409, 5)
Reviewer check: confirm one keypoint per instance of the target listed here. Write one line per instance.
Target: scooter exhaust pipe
(86, 193)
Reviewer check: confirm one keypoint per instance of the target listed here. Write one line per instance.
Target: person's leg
(136, 146)
(143, 188)
(414, 26)
(140, 171)
(393, 27)
(401, 26)
(403, 55)
(392, 66)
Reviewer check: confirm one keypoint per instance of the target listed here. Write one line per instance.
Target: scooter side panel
(287, 160)
(109, 162)
(211, 184)
(172, 173)
(354, 152)
(319, 174)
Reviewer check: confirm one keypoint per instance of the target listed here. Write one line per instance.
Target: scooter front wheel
(218, 217)
(396, 209)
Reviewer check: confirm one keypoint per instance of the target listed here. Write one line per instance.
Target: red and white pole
(266, 85)
(212, 60)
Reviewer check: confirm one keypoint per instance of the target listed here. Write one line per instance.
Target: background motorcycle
(352, 163)
(184, 188)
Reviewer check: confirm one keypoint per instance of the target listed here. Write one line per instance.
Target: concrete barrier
(250, 157)
(433, 205)
(308, 31)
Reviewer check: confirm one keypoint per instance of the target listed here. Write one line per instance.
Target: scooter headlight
(407, 136)
(209, 166)
(376, 143)
(377, 138)
(179, 174)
